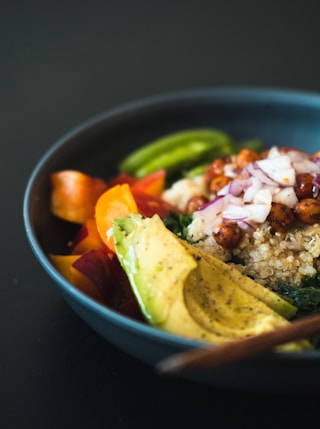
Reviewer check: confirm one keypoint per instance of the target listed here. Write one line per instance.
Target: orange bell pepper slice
(116, 202)
(74, 195)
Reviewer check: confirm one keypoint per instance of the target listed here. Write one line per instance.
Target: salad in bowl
(189, 220)
(199, 235)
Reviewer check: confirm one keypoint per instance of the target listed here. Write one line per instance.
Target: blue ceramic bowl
(278, 117)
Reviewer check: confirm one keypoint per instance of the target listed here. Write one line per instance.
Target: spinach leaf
(178, 223)
(305, 296)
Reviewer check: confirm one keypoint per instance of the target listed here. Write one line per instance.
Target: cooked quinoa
(266, 255)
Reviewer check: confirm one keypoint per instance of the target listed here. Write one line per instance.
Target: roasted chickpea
(264, 154)
(229, 235)
(216, 168)
(245, 156)
(308, 211)
(195, 203)
(281, 217)
(286, 149)
(218, 183)
(304, 187)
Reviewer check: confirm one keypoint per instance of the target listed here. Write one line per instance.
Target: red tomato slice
(149, 205)
(153, 184)
(122, 178)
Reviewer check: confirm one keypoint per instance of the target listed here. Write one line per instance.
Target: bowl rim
(226, 94)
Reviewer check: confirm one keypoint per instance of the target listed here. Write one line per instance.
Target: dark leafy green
(178, 223)
(306, 296)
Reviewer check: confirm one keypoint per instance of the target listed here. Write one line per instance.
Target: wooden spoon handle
(211, 357)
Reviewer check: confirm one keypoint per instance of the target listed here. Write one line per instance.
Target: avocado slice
(181, 291)
(269, 297)
(144, 249)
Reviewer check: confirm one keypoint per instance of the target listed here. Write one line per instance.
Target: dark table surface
(65, 61)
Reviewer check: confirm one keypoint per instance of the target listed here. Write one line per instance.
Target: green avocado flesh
(182, 290)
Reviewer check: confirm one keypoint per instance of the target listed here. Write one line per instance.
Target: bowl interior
(278, 117)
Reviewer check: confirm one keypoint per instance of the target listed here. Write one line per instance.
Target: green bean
(177, 150)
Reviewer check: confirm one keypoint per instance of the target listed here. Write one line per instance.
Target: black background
(60, 63)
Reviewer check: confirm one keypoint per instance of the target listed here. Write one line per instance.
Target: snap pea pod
(176, 151)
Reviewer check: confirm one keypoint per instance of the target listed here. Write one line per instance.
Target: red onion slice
(211, 210)
(279, 169)
(247, 199)
(286, 196)
(306, 166)
(255, 171)
(235, 213)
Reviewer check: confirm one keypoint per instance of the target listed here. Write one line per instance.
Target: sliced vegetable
(262, 293)
(176, 151)
(181, 291)
(87, 238)
(74, 195)
(153, 184)
(149, 205)
(102, 268)
(115, 202)
(65, 265)
(122, 178)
